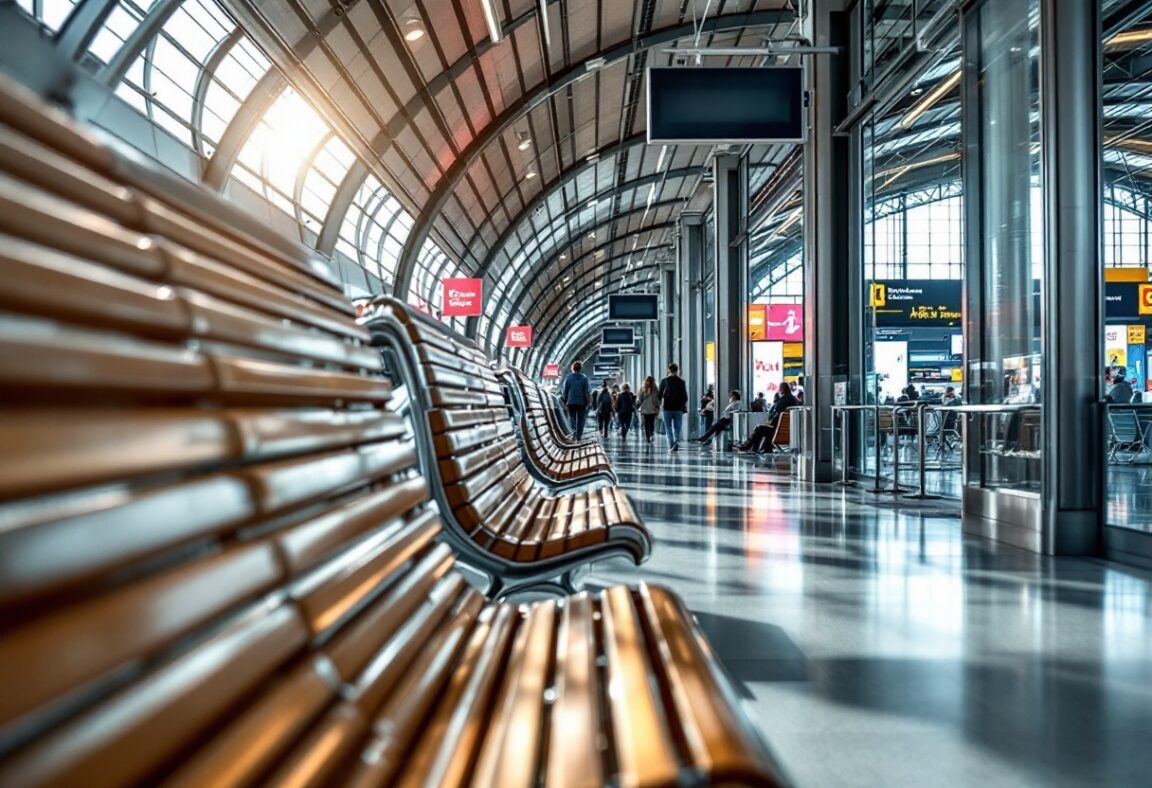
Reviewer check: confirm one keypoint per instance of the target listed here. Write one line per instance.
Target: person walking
(576, 392)
(649, 402)
(674, 399)
(725, 421)
(603, 409)
(625, 410)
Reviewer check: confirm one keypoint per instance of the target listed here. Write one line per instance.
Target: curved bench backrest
(209, 525)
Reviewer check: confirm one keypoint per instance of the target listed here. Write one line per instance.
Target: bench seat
(507, 522)
(558, 463)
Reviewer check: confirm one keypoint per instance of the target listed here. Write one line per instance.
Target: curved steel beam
(598, 313)
(554, 322)
(203, 80)
(337, 209)
(266, 91)
(562, 180)
(447, 184)
(632, 185)
(607, 221)
(552, 310)
(154, 20)
(572, 265)
(81, 27)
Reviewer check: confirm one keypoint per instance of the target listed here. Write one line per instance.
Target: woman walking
(649, 403)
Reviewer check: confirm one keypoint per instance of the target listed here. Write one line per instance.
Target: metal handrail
(921, 408)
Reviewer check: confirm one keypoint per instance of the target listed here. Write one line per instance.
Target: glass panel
(1127, 208)
(1004, 365)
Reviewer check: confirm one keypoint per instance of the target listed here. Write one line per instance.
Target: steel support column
(730, 201)
(827, 254)
(1071, 68)
(669, 327)
(690, 270)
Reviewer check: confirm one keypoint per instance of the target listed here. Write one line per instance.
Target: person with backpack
(575, 392)
(674, 399)
(625, 410)
(604, 409)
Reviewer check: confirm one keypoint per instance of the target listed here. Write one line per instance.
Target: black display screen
(726, 104)
(619, 337)
(638, 306)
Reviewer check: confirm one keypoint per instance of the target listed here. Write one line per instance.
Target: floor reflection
(877, 645)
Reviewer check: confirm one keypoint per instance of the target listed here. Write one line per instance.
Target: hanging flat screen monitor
(617, 337)
(633, 306)
(735, 105)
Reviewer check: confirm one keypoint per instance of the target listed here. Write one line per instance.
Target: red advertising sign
(551, 370)
(785, 323)
(757, 318)
(462, 297)
(519, 336)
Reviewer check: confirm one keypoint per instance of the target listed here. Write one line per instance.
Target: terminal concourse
(576, 392)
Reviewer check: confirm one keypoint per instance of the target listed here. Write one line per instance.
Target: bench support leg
(568, 582)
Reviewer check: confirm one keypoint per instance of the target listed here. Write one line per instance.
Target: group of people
(669, 396)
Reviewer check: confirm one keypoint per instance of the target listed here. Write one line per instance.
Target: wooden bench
(219, 564)
(503, 521)
(559, 464)
(557, 425)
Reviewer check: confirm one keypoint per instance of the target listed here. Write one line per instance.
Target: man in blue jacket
(576, 394)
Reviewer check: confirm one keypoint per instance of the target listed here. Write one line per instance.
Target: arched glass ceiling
(49, 13)
(192, 76)
(374, 230)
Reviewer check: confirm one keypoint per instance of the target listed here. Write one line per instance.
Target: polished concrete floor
(876, 645)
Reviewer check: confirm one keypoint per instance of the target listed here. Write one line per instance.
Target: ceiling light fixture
(524, 142)
(592, 235)
(413, 29)
(929, 101)
(530, 174)
(495, 34)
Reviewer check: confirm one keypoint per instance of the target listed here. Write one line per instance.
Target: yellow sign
(709, 351)
(878, 296)
(1145, 299)
(957, 374)
(793, 350)
(1136, 335)
(1128, 274)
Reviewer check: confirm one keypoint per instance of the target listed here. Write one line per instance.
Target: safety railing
(928, 423)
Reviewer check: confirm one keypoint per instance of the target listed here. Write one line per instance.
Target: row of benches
(509, 503)
(219, 559)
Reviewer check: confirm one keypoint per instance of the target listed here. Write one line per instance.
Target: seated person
(724, 422)
(761, 438)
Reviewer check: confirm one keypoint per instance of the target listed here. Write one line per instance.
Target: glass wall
(1127, 215)
(1003, 297)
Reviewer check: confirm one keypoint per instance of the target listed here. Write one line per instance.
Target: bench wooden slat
(510, 754)
(576, 760)
(445, 753)
(129, 736)
(645, 751)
